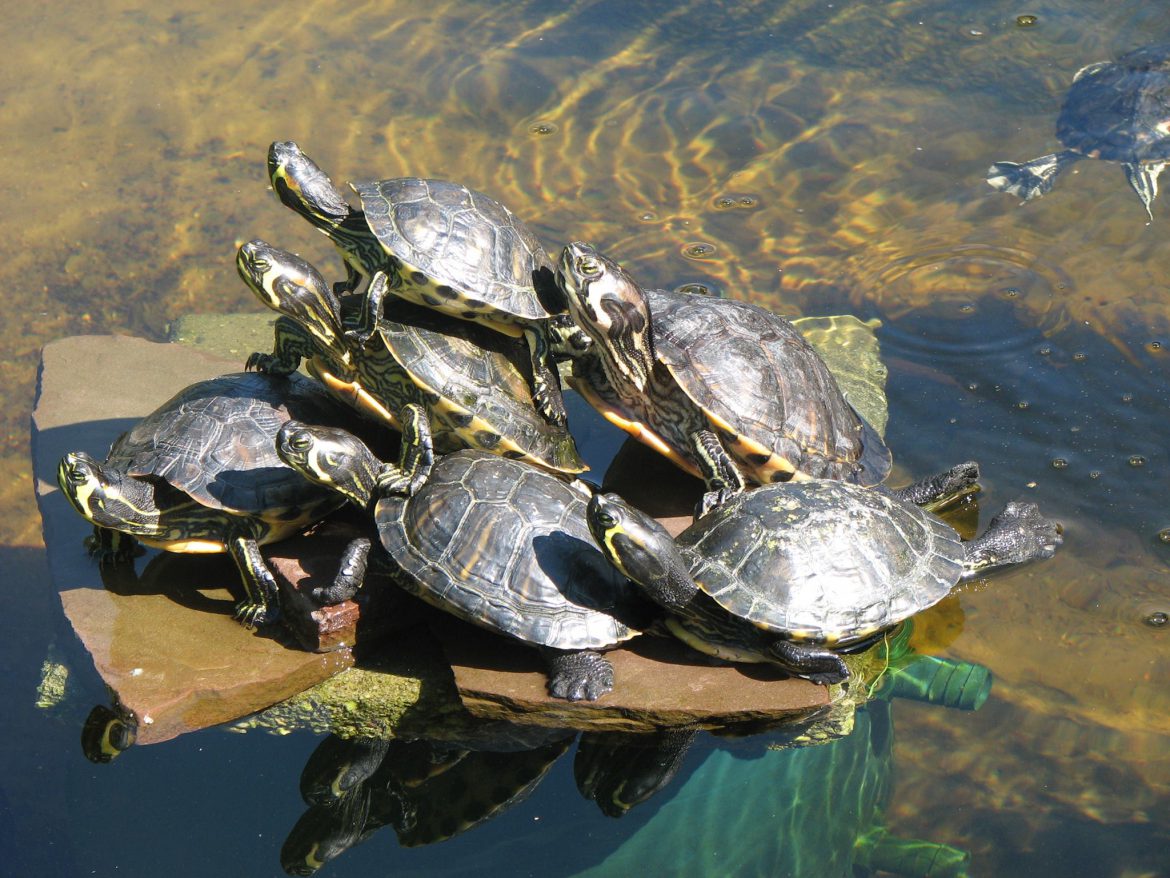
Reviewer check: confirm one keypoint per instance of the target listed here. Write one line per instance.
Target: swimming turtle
(496, 542)
(787, 572)
(471, 380)
(1118, 111)
(442, 245)
(200, 474)
(725, 389)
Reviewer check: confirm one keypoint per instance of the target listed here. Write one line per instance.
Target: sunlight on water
(816, 157)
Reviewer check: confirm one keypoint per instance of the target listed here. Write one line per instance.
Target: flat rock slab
(163, 639)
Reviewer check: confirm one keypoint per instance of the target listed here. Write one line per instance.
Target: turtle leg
(416, 456)
(941, 489)
(291, 344)
(821, 666)
(722, 476)
(351, 573)
(580, 675)
(1017, 534)
(371, 310)
(546, 381)
(110, 547)
(1144, 180)
(259, 606)
(1030, 179)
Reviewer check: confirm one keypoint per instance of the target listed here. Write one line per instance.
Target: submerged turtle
(725, 389)
(443, 246)
(787, 572)
(469, 379)
(496, 542)
(200, 474)
(1118, 111)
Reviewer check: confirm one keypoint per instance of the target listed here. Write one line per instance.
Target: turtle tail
(1030, 179)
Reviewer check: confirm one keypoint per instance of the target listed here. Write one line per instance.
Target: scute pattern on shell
(458, 237)
(822, 560)
(506, 546)
(215, 441)
(1120, 110)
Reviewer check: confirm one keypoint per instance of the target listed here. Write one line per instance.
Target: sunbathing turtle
(725, 389)
(200, 474)
(470, 380)
(788, 573)
(442, 245)
(1118, 111)
(496, 542)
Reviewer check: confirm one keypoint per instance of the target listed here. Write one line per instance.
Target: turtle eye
(78, 475)
(589, 267)
(606, 519)
(300, 441)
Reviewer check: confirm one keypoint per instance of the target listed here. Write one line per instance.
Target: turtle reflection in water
(428, 790)
(201, 474)
(1117, 111)
(791, 573)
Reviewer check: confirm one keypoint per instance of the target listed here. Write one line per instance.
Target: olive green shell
(756, 377)
(215, 442)
(823, 561)
(474, 250)
(466, 370)
(504, 545)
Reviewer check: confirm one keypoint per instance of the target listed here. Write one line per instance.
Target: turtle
(201, 474)
(495, 542)
(725, 389)
(1118, 111)
(443, 246)
(471, 380)
(790, 572)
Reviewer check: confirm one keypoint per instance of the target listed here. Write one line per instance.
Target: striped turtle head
(291, 286)
(331, 457)
(611, 308)
(99, 497)
(303, 187)
(641, 549)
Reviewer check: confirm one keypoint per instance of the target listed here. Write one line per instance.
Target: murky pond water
(816, 157)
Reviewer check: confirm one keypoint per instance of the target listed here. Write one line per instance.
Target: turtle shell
(504, 545)
(477, 385)
(1120, 110)
(772, 398)
(822, 561)
(216, 441)
(473, 252)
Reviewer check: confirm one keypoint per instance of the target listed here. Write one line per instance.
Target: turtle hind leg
(718, 469)
(1017, 534)
(1030, 179)
(821, 666)
(582, 675)
(943, 489)
(546, 382)
(260, 605)
(1144, 180)
(351, 573)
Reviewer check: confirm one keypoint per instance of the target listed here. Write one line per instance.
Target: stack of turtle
(456, 341)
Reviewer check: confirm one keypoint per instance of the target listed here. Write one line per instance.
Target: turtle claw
(550, 404)
(111, 548)
(259, 362)
(253, 615)
(714, 499)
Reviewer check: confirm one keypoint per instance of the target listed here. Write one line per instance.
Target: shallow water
(815, 157)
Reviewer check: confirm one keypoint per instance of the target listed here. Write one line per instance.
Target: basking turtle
(200, 474)
(470, 380)
(1118, 111)
(725, 389)
(442, 245)
(787, 572)
(496, 542)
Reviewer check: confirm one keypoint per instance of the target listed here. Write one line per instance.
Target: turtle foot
(252, 615)
(579, 676)
(1030, 179)
(714, 499)
(1017, 534)
(267, 364)
(816, 664)
(111, 548)
(550, 404)
(943, 488)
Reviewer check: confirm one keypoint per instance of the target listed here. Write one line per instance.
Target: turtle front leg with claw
(821, 666)
(1017, 534)
(546, 382)
(260, 605)
(291, 344)
(110, 547)
(416, 456)
(719, 472)
(941, 490)
(371, 311)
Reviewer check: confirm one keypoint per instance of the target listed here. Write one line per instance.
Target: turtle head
(641, 549)
(331, 457)
(291, 286)
(100, 497)
(612, 310)
(302, 186)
